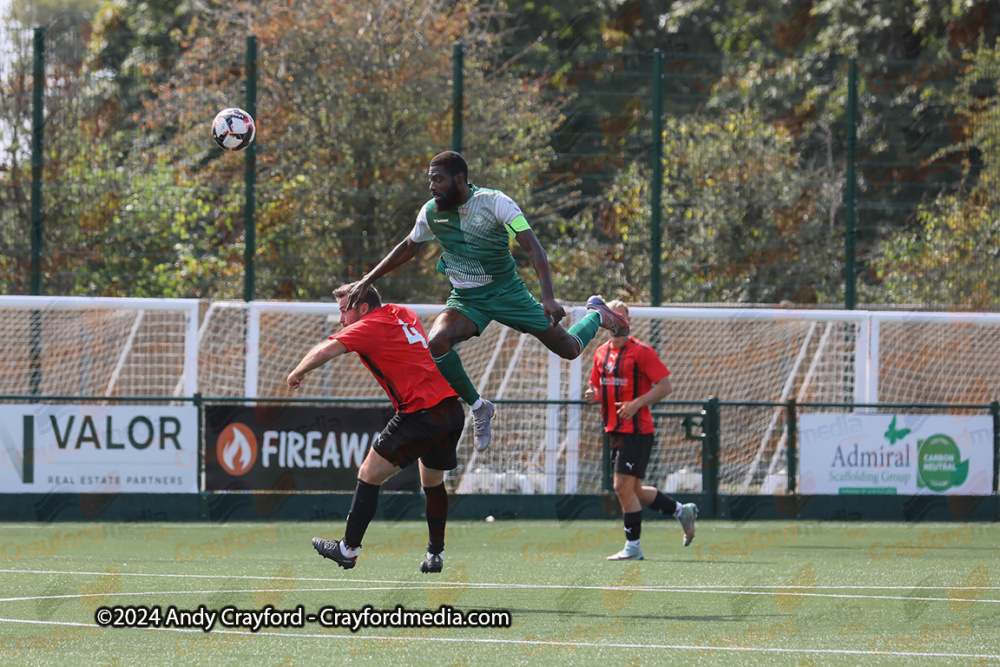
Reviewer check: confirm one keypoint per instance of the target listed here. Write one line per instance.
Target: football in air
(233, 129)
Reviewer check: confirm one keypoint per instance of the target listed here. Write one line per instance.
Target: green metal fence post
(199, 406)
(995, 412)
(850, 189)
(28, 449)
(37, 220)
(457, 96)
(710, 456)
(607, 479)
(792, 451)
(249, 221)
(656, 184)
(37, 159)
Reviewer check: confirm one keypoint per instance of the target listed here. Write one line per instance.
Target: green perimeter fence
(708, 424)
(658, 177)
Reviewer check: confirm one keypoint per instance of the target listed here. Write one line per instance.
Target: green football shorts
(508, 303)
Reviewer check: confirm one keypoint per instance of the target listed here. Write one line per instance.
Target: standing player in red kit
(627, 378)
(426, 427)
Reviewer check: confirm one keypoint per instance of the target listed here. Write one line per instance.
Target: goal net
(93, 347)
(546, 440)
(742, 356)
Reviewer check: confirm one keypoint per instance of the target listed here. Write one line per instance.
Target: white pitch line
(637, 589)
(819, 595)
(542, 642)
(216, 576)
(249, 590)
(706, 587)
(408, 585)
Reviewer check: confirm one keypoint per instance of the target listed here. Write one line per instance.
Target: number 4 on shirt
(412, 334)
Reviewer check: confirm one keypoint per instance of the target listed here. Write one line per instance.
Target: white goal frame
(188, 380)
(562, 441)
(554, 455)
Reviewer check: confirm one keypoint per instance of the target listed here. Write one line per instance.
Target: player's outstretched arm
(399, 255)
(319, 355)
(540, 260)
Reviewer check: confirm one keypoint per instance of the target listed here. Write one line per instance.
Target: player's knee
(375, 469)
(569, 348)
(570, 351)
(438, 345)
(624, 488)
(366, 473)
(430, 478)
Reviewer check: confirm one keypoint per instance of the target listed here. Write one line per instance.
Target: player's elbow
(665, 388)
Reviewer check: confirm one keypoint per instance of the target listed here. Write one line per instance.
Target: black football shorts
(430, 435)
(630, 453)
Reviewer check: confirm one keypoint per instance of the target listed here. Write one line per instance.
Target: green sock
(585, 330)
(451, 368)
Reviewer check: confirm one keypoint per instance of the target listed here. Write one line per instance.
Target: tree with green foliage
(350, 110)
(557, 112)
(952, 255)
(909, 57)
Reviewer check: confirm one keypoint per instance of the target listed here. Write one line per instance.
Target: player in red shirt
(627, 378)
(426, 427)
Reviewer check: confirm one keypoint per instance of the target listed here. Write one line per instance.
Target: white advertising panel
(895, 454)
(98, 449)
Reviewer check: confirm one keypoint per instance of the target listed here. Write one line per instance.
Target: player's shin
(633, 526)
(363, 508)
(437, 515)
(450, 366)
(664, 503)
(586, 329)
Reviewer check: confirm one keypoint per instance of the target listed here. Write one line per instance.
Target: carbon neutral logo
(939, 464)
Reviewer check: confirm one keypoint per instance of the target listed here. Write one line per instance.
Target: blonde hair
(616, 304)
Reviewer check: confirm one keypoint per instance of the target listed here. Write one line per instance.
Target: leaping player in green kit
(474, 226)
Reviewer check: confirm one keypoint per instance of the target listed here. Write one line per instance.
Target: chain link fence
(760, 194)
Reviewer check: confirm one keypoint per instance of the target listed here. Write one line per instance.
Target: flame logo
(236, 449)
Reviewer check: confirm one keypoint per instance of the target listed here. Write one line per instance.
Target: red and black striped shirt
(622, 374)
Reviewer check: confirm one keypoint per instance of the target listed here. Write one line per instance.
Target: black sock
(437, 514)
(633, 525)
(362, 512)
(663, 503)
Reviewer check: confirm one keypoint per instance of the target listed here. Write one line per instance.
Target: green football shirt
(474, 236)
